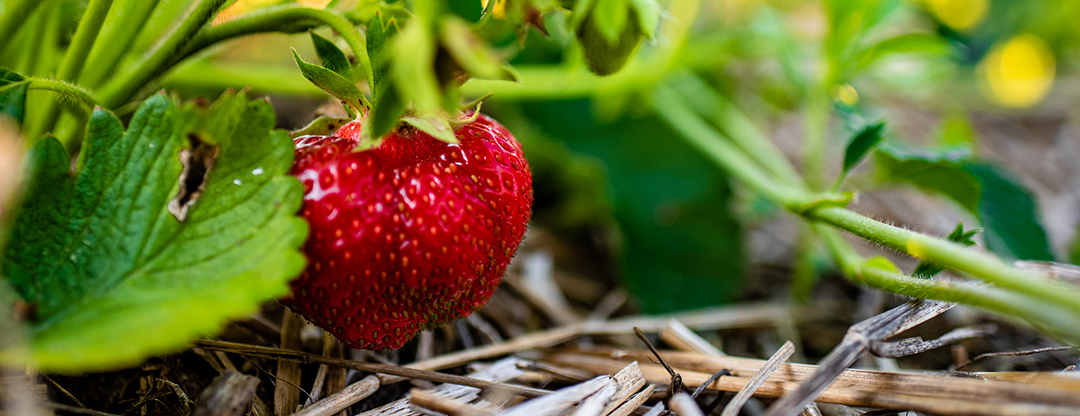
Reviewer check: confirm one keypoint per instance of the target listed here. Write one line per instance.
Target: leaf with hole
(115, 275)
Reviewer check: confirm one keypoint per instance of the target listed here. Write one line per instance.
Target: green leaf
(13, 95)
(332, 83)
(936, 171)
(1009, 214)
(860, 145)
(114, 274)
(927, 269)
(332, 58)
(435, 125)
(1004, 206)
(681, 244)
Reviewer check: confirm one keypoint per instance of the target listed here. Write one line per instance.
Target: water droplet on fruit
(236, 182)
(257, 171)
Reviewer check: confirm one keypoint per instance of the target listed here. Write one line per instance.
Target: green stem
(75, 57)
(1052, 319)
(698, 133)
(83, 40)
(66, 92)
(213, 77)
(32, 42)
(116, 93)
(954, 256)
(15, 14)
(124, 22)
(285, 19)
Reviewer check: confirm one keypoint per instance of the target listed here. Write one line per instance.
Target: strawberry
(409, 234)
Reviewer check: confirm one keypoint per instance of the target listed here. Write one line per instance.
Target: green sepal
(331, 56)
(435, 125)
(321, 126)
(380, 32)
(333, 83)
(386, 113)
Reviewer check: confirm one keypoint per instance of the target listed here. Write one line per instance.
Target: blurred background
(977, 97)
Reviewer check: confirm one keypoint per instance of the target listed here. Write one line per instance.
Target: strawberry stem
(118, 92)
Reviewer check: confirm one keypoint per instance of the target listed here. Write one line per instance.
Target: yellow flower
(1018, 73)
(958, 14)
(499, 10)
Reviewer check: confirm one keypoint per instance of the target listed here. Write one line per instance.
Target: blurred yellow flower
(958, 14)
(1018, 73)
(243, 6)
(314, 3)
(499, 10)
(846, 95)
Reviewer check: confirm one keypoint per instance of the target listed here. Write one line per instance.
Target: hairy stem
(954, 256)
(1052, 319)
(118, 92)
(66, 92)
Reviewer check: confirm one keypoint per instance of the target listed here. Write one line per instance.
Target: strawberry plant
(146, 219)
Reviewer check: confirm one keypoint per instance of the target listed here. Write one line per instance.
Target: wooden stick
(343, 399)
(932, 394)
(758, 379)
(444, 405)
(725, 317)
(230, 394)
(634, 402)
(286, 392)
(564, 399)
(500, 371)
(683, 405)
(404, 372)
(677, 335)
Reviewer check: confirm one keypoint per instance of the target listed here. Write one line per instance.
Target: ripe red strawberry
(410, 234)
